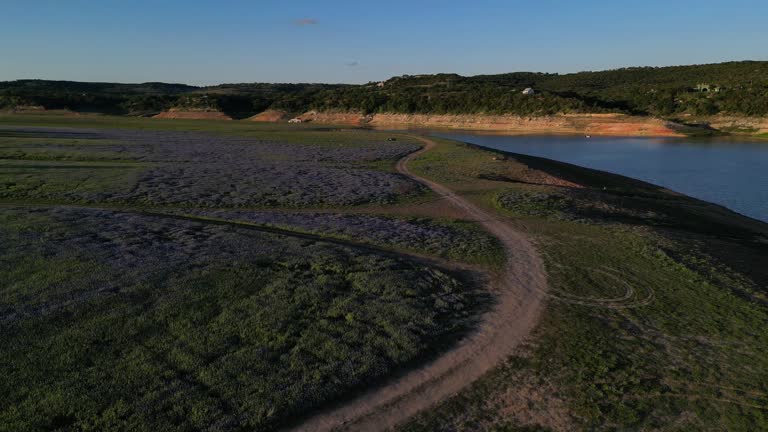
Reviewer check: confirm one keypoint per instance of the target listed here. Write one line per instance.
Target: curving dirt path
(520, 290)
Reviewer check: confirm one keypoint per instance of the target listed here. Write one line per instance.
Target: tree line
(738, 88)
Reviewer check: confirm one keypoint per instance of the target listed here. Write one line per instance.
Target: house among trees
(706, 88)
(529, 92)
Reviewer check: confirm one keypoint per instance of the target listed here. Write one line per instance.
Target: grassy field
(657, 313)
(454, 240)
(249, 167)
(144, 289)
(113, 319)
(209, 275)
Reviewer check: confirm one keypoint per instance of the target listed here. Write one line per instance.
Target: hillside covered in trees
(734, 88)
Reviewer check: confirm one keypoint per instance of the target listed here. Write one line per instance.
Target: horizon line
(393, 76)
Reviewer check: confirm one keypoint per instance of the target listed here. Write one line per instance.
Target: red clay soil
(193, 115)
(269, 116)
(519, 290)
(629, 126)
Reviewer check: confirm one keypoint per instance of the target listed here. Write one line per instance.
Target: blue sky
(208, 42)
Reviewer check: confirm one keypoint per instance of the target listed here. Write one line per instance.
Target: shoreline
(567, 124)
(658, 183)
(614, 125)
(607, 125)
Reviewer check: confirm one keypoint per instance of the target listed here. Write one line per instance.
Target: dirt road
(519, 292)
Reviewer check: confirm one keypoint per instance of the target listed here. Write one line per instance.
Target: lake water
(726, 171)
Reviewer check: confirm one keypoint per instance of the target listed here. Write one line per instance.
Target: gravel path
(520, 290)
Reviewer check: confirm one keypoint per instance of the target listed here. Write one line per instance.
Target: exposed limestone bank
(587, 124)
(738, 124)
(189, 114)
(578, 124)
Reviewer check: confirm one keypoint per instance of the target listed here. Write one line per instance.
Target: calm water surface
(730, 172)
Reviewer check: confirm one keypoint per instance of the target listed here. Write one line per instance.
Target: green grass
(51, 168)
(320, 135)
(740, 130)
(656, 318)
(105, 121)
(28, 158)
(452, 163)
(467, 242)
(477, 247)
(114, 319)
(626, 366)
(65, 149)
(671, 354)
(217, 337)
(53, 181)
(286, 133)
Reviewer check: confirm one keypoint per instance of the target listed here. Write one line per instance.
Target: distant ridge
(732, 88)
